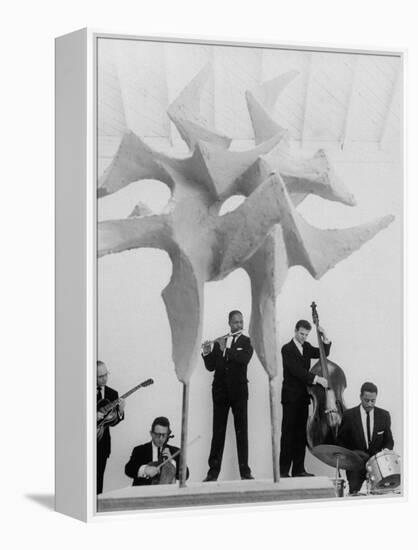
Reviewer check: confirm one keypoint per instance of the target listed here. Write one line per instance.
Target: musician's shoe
(303, 474)
(247, 476)
(353, 494)
(284, 475)
(210, 478)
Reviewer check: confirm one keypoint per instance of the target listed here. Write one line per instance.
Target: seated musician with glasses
(153, 462)
(364, 429)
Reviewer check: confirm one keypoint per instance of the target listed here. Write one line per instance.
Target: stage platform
(216, 493)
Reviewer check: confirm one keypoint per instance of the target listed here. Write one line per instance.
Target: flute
(224, 337)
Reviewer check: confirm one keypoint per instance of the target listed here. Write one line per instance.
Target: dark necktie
(158, 454)
(99, 394)
(369, 437)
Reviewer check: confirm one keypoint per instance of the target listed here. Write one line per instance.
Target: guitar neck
(131, 391)
(113, 404)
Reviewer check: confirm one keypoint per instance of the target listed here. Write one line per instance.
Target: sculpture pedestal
(216, 493)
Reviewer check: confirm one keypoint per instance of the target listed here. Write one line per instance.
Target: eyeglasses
(103, 375)
(159, 434)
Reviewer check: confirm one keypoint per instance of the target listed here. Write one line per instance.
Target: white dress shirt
(300, 348)
(298, 345)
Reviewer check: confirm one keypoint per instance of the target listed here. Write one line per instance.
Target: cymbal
(330, 454)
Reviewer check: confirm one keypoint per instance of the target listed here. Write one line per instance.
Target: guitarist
(103, 445)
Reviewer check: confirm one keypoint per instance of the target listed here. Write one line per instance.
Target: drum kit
(383, 470)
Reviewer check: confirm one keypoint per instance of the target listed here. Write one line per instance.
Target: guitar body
(110, 409)
(110, 419)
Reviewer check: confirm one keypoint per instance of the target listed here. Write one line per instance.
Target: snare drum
(384, 471)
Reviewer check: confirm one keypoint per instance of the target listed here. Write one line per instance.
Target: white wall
(359, 304)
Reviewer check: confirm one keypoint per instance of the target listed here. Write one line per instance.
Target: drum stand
(339, 482)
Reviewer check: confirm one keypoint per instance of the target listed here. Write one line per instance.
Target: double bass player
(297, 355)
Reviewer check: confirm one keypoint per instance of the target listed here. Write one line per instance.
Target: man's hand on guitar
(100, 416)
(151, 471)
(121, 405)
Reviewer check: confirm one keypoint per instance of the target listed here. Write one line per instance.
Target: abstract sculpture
(265, 235)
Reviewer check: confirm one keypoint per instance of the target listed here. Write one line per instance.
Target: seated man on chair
(365, 429)
(143, 465)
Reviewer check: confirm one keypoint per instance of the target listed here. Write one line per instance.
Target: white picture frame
(76, 268)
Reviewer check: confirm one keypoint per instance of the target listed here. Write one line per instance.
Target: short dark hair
(161, 421)
(101, 364)
(233, 312)
(368, 386)
(303, 324)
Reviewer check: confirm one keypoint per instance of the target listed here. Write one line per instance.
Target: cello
(327, 404)
(166, 469)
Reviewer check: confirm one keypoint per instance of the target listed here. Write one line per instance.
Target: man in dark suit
(297, 355)
(228, 357)
(139, 467)
(103, 444)
(366, 430)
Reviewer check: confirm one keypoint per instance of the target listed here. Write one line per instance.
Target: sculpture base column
(275, 427)
(184, 428)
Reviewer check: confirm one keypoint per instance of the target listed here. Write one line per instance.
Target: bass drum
(384, 471)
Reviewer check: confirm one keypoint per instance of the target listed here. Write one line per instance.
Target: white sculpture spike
(314, 175)
(269, 91)
(184, 112)
(183, 298)
(302, 176)
(120, 235)
(269, 259)
(134, 161)
(263, 124)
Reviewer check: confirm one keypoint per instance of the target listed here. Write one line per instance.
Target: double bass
(327, 404)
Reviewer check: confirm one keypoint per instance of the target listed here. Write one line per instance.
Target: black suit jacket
(230, 379)
(296, 375)
(142, 454)
(104, 446)
(351, 433)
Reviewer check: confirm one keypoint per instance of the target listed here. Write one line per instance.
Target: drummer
(365, 429)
